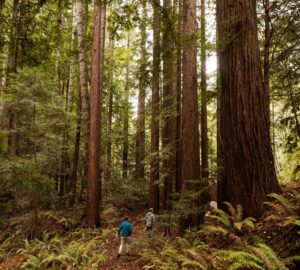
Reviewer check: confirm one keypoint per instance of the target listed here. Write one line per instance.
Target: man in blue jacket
(124, 232)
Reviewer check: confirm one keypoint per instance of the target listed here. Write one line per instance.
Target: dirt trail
(125, 262)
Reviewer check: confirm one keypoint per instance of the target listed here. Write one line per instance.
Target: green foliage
(259, 256)
(54, 252)
(287, 209)
(180, 255)
(223, 223)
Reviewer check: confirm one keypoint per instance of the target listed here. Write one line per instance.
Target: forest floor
(269, 227)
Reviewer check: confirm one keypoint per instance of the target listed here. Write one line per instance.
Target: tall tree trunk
(59, 22)
(73, 178)
(267, 43)
(140, 132)
(2, 2)
(154, 166)
(83, 81)
(126, 116)
(190, 130)
(72, 62)
(169, 107)
(178, 166)
(204, 136)
(110, 108)
(94, 183)
(12, 68)
(249, 171)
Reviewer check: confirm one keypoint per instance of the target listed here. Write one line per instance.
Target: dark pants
(149, 231)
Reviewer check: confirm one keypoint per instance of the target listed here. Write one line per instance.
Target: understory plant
(82, 251)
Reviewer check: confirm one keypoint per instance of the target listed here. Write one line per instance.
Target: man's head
(151, 210)
(127, 218)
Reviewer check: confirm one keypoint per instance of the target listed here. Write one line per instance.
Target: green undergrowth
(229, 241)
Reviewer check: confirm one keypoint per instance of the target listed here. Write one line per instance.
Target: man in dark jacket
(124, 232)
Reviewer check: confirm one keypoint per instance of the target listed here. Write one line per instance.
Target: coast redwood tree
(94, 187)
(154, 166)
(248, 172)
(190, 131)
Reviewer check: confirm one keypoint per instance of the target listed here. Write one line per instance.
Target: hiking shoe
(119, 255)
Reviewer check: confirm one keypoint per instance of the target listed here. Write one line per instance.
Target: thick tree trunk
(126, 116)
(83, 81)
(154, 166)
(140, 132)
(190, 130)
(247, 159)
(178, 166)
(94, 184)
(168, 107)
(110, 109)
(204, 136)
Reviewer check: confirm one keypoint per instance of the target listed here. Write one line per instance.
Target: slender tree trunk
(12, 68)
(140, 133)
(72, 62)
(267, 43)
(73, 178)
(249, 171)
(59, 22)
(126, 116)
(204, 136)
(94, 184)
(169, 108)
(178, 166)
(154, 166)
(2, 2)
(190, 131)
(110, 109)
(83, 81)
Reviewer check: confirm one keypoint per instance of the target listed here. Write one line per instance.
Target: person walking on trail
(149, 220)
(124, 232)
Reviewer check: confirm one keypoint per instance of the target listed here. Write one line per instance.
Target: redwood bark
(154, 165)
(204, 136)
(83, 81)
(94, 184)
(126, 116)
(140, 132)
(178, 166)
(190, 131)
(110, 109)
(168, 107)
(248, 164)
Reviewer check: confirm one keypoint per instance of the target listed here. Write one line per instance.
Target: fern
(268, 256)
(287, 205)
(221, 222)
(259, 256)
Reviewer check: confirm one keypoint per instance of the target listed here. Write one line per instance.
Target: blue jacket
(125, 229)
